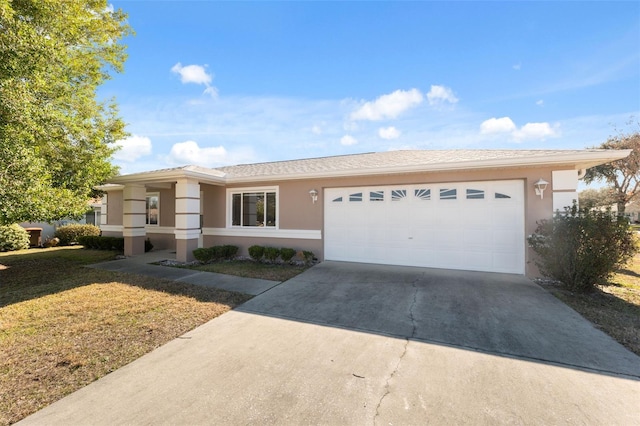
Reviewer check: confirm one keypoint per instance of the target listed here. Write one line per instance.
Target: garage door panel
(414, 225)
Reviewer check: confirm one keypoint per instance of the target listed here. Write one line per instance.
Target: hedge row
(70, 234)
(108, 243)
(271, 254)
(210, 254)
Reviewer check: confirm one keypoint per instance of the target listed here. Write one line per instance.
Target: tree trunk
(621, 208)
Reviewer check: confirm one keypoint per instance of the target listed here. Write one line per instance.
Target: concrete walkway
(142, 265)
(353, 344)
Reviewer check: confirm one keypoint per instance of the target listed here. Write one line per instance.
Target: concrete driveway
(367, 344)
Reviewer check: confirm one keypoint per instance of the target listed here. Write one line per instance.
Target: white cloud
(132, 148)
(440, 95)
(540, 102)
(388, 106)
(389, 133)
(195, 74)
(348, 140)
(316, 130)
(497, 125)
(539, 131)
(517, 66)
(189, 152)
(530, 131)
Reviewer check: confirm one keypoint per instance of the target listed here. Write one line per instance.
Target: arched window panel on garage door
(376, 195)
(337, 200)
(500, 195)
(475, 194)
(448, 194)
(357, 196)
(423, 194)
(398, 194)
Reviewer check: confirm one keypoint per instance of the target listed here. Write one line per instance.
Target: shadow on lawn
(626, 272)
(28, 276)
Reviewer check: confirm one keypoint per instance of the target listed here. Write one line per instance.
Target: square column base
(185, 248)
(134, 246)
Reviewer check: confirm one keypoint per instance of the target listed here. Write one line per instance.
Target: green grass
(613, 308)
(63, 326)
(252, 269)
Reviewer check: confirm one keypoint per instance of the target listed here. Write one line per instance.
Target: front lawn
(63, 326)
(613, 308)
(252, 269)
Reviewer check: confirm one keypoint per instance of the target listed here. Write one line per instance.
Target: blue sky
(220, 83)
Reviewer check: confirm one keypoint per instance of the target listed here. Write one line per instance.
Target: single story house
(455, 209)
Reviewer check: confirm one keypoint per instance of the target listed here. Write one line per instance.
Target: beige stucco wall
(114, 208)
(297, 212)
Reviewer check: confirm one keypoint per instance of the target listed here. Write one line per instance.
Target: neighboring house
(456, 209)
(92, 217)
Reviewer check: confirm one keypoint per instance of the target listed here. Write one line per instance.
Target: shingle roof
(383, 160)
(381, 163)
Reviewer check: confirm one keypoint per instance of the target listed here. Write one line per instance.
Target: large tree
(593, 198)
(623, 176)
(55, 134)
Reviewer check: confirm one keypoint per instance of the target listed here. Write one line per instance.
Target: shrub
(256, 252)
(204, 255)
(13, 237)
(102, 243)
(69, 234)
(308, 256)
(286, 254)
(271, 253)
(582, 248)
(229, 251)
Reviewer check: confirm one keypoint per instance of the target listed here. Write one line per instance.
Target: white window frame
(146, 220)
(253, 189)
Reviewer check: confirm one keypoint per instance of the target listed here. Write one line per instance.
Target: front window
(153, 203)
(254, 208)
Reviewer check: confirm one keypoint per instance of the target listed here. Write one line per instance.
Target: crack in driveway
(414, 328)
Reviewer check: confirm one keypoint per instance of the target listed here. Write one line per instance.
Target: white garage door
(476, 226)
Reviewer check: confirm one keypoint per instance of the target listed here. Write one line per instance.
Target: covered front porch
(166, 207)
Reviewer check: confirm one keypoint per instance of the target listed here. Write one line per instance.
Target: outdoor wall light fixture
(540, 186)
(314, 195)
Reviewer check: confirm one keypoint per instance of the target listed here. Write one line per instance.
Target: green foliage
(56, 138)
(271, 253)
(204, 255)
(286, 254)
(623, 176)
(308, 256)
(69, 234)
(229, 251)
(207, 255)
(13, 237)
(148, 246)
(256, 252)
(594, 198)
(582, 248)
(101, 243)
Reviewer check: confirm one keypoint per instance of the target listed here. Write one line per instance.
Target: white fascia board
(109, 187)
(169, 176)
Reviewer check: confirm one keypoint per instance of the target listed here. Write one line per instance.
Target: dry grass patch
(613, 308)
(251, 269)
(63, 326)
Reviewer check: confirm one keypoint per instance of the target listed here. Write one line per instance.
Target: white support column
(134, 219)
(187, 218)
(565, 188)
(103, 210)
